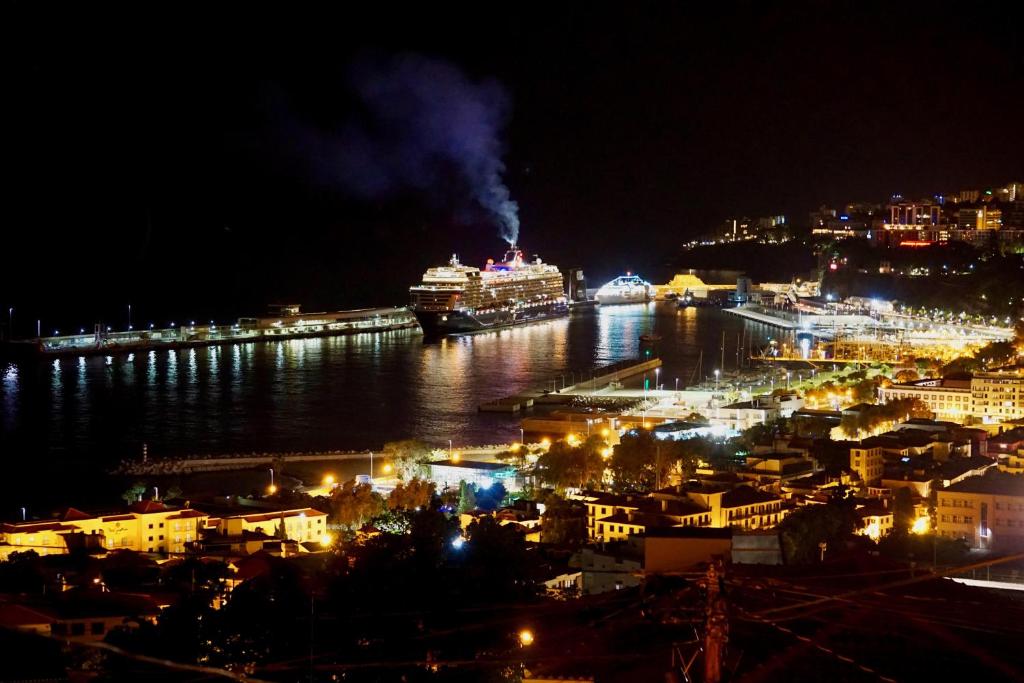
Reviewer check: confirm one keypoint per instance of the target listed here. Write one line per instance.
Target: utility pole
(716, 627)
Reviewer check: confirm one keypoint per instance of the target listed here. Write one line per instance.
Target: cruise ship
(455, 298)
(625, 289)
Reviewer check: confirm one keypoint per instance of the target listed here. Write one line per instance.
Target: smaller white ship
(625, 289)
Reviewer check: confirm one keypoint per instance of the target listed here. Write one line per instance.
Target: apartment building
(986, 511)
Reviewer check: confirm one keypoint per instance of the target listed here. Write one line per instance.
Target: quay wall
(244, 461)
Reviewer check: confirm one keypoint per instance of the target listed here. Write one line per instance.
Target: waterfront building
(450, 473)
(987, 512)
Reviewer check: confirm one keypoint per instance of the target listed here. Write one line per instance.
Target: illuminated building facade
(867, 463)
(147, 527)
(949, 399)
(997, 397)
(987, 512)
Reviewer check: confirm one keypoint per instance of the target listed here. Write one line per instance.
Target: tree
(801, 531)
(497, 563)
(564, 522)
(134, 492)
(352, 505)
(565, 466)
(411, 495)
(409, 457)
(907, 375)
(633, 462)
(996, 353)
(467, 497)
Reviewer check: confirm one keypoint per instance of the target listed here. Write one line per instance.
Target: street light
(717, 373)
(657, 375)
(328, 480)
(526, 637)
(787, 380)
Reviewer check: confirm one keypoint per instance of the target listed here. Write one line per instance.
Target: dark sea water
(63, 422)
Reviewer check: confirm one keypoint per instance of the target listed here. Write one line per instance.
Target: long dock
(560, 392)
(244, 461)
(762, 317)
(303, 326)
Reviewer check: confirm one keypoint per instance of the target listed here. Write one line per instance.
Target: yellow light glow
(515, 447)
(921, 525)
(605, 432)
(873, 531)
(545, 442)
(272, 489)
(456, 457)
(607, 452)
(328, 480)
(526, 637)
(647, 425)
(326, 539)
(572, 440)
(387, 468)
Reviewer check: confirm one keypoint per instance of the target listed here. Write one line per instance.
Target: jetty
(567, 385)
(285, 322)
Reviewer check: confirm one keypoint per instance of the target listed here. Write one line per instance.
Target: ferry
(625, 289)
(458, 299)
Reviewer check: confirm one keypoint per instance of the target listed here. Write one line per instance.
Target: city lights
(526, 637)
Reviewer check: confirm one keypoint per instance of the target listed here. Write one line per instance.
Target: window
(161, 537)
(150, 526)
(78, 629)
(96, 628)
(150, 538)
(161, 525)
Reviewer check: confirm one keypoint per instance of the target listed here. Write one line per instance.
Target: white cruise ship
(456, 298)
(625, 289)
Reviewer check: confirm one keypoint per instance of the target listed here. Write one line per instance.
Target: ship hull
(615, 299)
(442, 323)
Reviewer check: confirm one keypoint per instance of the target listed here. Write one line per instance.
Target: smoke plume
(421, 123)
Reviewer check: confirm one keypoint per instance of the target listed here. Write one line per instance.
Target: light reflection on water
(334, 392)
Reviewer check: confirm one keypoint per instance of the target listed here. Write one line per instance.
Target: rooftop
(746, 495)
(991, 483)
(472, 465)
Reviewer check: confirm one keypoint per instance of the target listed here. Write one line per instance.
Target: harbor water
(69, 419)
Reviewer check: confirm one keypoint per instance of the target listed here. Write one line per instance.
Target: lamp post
(657, 375)
(522, 437)
(717, 373)
(129, 316)
(787, 380)
(10, 322)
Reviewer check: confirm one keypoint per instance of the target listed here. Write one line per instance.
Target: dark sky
(150, 157)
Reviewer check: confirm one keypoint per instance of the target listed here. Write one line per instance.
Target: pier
(243, 461)
(560, 392)
(290, 325)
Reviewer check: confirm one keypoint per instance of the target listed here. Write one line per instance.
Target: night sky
(172, 161)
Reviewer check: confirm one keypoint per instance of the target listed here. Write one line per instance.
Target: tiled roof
(746, 495)
(998, 484)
